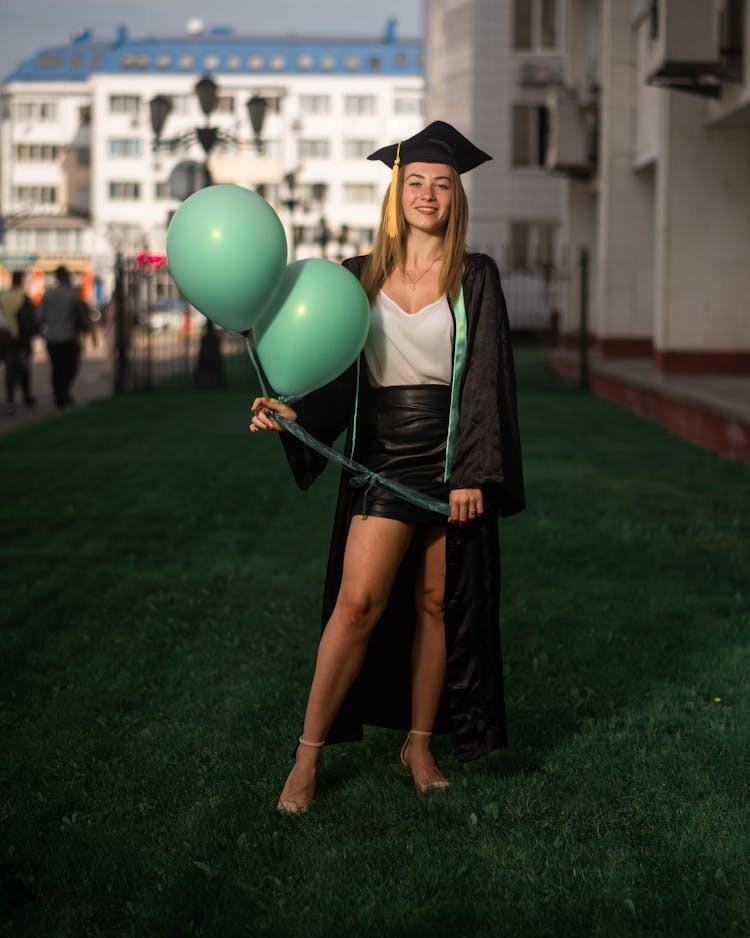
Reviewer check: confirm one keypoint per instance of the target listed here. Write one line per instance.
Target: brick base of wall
(685, 419)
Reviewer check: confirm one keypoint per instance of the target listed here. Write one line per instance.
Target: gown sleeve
(488, 447)
(325, 414)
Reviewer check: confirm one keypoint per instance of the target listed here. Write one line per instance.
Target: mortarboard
(437, 143)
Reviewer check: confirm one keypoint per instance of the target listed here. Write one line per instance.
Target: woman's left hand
(466, 505)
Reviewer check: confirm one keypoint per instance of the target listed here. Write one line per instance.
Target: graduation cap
(437, 143)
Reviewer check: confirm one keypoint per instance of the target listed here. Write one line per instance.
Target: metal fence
(531, 296)
(159, 336)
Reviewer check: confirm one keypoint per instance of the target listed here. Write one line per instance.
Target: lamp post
(290, 203)
(325, 235)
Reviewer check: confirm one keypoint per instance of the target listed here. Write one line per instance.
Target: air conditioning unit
(572, 130)
(685, 45)
(539, 74)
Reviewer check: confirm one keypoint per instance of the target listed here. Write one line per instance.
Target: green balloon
(226, 251)
(316, 328)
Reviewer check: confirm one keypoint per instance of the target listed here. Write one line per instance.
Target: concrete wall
(471, 81)
(625, 209)
(702, 274)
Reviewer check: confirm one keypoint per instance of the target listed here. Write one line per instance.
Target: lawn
(161, 585)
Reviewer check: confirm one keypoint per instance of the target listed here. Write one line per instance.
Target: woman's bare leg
(374, 549)
(428, 660)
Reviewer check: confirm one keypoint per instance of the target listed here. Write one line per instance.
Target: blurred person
(19, 315)
(63, 317)
(411, 604)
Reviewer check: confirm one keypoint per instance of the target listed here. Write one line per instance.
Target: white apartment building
(488, 67)
(81, 176)
(653, 133)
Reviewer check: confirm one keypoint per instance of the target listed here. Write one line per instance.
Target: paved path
(94, 381)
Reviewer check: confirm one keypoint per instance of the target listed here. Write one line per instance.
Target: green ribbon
(362, 475)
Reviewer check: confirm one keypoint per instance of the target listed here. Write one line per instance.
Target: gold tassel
(391, 215)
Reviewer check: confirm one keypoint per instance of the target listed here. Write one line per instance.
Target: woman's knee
(358, 611)
(430, 608)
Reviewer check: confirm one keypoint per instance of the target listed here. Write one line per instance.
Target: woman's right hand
(262, 418)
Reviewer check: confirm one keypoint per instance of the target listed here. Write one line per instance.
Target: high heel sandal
(294, 807)
(439, 783)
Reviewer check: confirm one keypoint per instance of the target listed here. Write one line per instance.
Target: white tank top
(409, 348)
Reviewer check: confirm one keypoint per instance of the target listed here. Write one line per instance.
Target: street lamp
(207, 92)
(325, 235)
(256, 111)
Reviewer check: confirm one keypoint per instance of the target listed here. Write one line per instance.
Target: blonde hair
(388, 252)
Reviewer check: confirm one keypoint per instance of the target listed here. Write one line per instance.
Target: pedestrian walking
(19, 315)
(64, 317)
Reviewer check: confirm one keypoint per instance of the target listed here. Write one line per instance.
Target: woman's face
(426, 197)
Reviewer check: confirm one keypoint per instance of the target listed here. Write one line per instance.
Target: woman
(411, 604)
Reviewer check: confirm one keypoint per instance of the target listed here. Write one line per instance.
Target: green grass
(161, 584)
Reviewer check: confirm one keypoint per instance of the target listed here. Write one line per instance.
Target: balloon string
(363, 475)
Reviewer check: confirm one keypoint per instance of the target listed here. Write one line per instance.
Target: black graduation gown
(487, 455)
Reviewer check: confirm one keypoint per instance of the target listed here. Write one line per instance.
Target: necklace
(415, 282)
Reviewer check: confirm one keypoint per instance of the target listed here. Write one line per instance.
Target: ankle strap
(419, 733)
(304, 742)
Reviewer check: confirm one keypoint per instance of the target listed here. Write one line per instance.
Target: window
(256, 62)
(305, 61)
(328, 62)
(529, 135)
(135, 60)
(211, 61)
(522, 24)
(185, 60)
(278, 62)
(76, 61)
(535, 24)
(315, 104)
(164, 60)
(360, 192)
(403, 104)
(401, 58)
(36, 110)
(47, 111)
(83, 157)
(161, 190)
(124, 191)
(358, 149)
(49, 61)
(532, 245)
(548, 28)
(314, 149)
(359, 104)
(123, 147)
(36, 152)
(374, 63)
(234, 62)
(46, 195)
(181, 103)
(124, 104)
(272, 148)
(225, 104)
(352, 62)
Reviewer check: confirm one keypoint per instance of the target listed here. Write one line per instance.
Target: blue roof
(221, 52)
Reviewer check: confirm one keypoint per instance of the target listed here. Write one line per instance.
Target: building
(83, 175)
(652, 132)
(488, 67)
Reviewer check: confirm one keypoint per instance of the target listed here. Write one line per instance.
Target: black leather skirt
(401, 435)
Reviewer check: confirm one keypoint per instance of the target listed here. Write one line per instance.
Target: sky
(26, 26)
